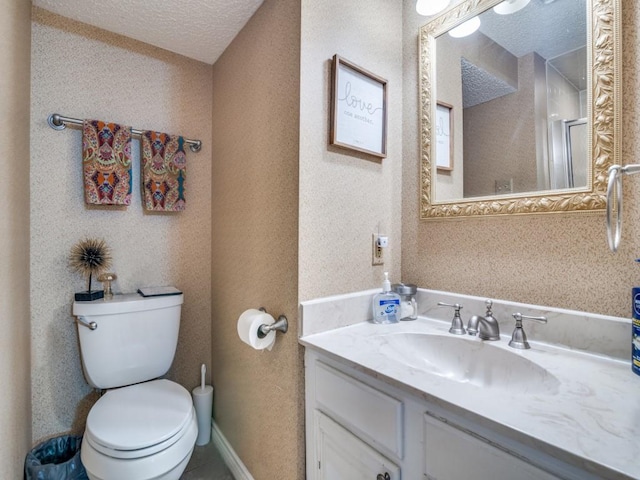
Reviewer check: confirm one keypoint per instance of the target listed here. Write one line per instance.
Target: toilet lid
(138, 416)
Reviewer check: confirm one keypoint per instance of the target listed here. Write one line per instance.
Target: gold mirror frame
(603, 37)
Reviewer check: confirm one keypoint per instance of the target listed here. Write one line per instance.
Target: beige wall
(15, 400)
(84, 72)
(256, 94)
(560, 260)
(345, 197)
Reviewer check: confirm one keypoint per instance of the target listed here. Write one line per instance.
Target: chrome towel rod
(58, 122)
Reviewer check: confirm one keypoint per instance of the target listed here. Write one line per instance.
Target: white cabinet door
(343, 456)
(453, 454)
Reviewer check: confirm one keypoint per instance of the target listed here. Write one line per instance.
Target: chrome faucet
(486, 327)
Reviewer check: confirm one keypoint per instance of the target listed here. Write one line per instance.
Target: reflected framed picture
(444, 136)
(358, 109)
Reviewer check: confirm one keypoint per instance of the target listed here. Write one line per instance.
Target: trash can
(55, 459)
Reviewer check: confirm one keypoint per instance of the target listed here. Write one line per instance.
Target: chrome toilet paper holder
(281, 325)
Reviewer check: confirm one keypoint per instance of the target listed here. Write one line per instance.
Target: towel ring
(616, 172)
(614, 235)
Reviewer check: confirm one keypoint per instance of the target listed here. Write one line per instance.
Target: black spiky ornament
(88, 257)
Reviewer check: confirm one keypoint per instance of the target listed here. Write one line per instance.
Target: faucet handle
(457, 327)
(519, 317)
(457, 306)
(519, 338)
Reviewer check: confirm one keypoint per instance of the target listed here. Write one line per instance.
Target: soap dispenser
(386, 305)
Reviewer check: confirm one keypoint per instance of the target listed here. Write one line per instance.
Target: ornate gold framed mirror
(534, 92)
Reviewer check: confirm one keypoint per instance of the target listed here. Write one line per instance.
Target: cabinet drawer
(374, 416)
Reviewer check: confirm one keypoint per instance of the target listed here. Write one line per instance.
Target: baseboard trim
(231, 459)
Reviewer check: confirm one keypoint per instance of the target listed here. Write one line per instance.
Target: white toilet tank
(135, 339)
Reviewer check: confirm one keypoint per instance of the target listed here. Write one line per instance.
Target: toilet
(143, 427)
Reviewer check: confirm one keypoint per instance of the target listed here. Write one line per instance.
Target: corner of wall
(15, 360)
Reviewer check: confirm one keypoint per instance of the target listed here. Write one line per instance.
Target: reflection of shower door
(568, 153)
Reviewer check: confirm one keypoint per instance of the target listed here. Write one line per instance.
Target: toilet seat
(140, 420)
(142, 452)
(167, 464)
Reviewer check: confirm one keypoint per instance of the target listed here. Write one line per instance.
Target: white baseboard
(231, 459)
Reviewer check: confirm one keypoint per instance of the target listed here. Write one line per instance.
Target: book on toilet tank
(158, 291)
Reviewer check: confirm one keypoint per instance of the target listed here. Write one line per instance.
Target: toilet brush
(203, 403)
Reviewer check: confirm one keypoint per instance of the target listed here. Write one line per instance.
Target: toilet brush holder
(203, 403)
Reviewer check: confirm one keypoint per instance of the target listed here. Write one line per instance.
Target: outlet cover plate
(377, 252)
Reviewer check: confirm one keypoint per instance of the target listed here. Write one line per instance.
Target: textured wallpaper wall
(259, 395)
(345, 197)
(15, 401)
(559, 260)
(264, 102)
(80, 71)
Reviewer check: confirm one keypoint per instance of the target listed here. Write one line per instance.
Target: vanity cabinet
(360, 427)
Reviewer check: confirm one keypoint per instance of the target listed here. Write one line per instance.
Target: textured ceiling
(479, 86)
(199, 29)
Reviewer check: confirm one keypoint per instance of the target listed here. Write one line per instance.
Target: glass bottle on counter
(408, 304)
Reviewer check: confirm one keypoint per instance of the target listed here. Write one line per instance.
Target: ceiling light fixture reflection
(431, 7)
(465, 29)
(510, 6)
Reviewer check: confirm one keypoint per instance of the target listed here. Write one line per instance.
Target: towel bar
(58, 122)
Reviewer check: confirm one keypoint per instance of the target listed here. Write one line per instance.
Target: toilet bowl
(142, 428)
(141, 432)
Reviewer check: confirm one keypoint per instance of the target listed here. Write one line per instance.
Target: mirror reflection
(511, 89)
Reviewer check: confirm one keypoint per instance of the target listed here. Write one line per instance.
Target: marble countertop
(591, 420)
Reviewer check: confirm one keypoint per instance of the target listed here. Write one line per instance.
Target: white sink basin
(466, 359)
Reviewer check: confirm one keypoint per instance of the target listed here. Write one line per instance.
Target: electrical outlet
(377, 252)
(504, 186)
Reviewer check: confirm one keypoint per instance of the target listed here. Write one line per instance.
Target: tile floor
(206, 464)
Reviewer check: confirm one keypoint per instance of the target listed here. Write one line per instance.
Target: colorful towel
(164, 164)
(106, 161)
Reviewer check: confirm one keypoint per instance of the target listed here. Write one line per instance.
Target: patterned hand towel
(106, 161)
(164, 170)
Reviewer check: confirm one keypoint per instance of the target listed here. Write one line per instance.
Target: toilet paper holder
(282, 325)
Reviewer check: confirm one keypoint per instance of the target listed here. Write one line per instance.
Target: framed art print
(358, 109)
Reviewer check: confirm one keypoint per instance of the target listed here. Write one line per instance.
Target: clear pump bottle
(386, 305)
